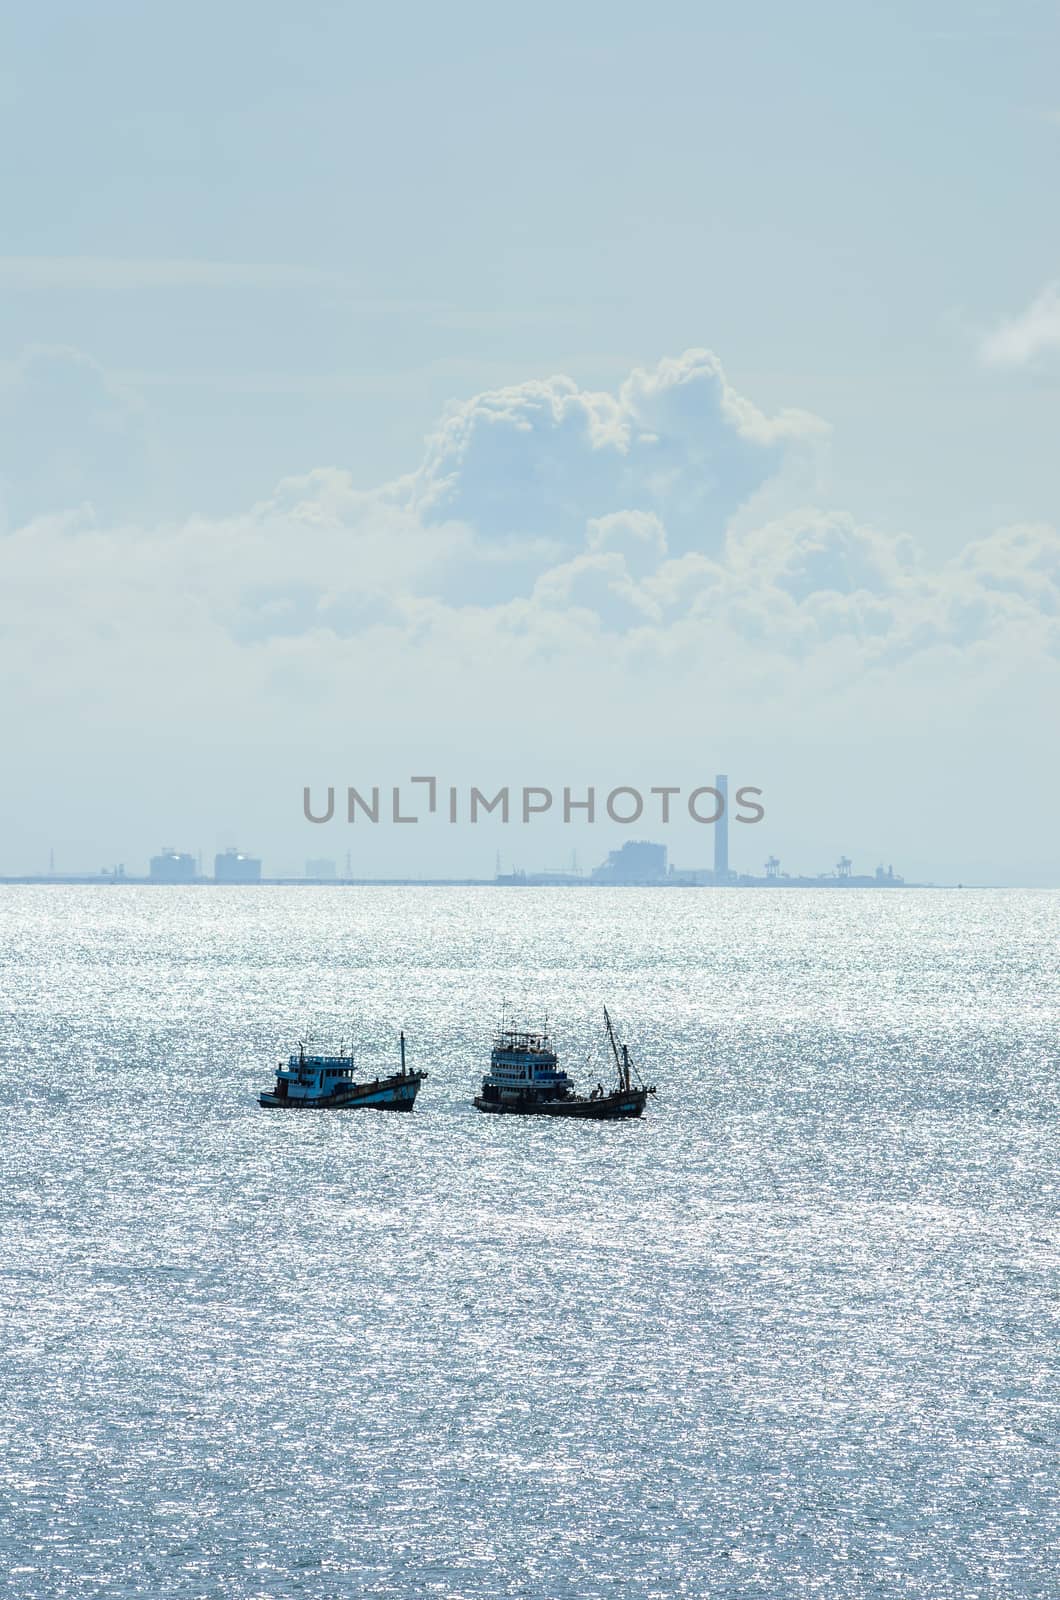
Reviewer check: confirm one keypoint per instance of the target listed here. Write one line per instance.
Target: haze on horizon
(566, 399)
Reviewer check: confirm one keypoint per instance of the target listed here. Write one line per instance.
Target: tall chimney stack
(721, 832)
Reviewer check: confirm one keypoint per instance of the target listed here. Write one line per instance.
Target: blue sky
(243, 245)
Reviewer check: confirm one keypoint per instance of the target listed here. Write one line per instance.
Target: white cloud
(1018, 340)
(638, 536)
(530, 562)
(539, 459)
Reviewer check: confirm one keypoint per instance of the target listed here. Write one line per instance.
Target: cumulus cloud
(555, 547)
(1018, 341)
(539, 459)
(1023, 561)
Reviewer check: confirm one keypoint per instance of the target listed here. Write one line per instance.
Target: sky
(578, 396)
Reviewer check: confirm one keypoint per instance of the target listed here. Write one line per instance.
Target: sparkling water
(792, 1334)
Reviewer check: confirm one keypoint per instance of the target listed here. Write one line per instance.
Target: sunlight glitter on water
(792, 1334)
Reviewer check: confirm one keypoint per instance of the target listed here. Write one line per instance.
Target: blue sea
(793, 1334)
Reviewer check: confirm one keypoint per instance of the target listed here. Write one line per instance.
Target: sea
(793, 1334)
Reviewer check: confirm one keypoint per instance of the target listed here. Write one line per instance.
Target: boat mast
(402, 1054)
(623, 1077)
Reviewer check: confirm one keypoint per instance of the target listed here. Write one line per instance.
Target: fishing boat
(311, 1082)
(525, 1079)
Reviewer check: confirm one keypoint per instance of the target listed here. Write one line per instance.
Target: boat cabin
(313, 1077)
(523, 1064)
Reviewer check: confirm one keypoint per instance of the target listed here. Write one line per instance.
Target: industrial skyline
(634, 862)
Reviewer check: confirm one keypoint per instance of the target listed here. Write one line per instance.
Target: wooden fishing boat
(525, 1079)
(312, 1082)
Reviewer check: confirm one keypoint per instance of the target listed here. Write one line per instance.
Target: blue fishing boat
(311, 1082)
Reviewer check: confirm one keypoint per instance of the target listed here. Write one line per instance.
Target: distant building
(636, 862)
(721, 831)
(231, 866)
(172, 866)
(691, 877)
(320, 869)
(547, 878)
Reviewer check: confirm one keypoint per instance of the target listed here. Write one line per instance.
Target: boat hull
(623, 1104)
(383, 1094)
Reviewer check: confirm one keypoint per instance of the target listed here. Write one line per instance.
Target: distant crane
(773, 867)
(844, 867)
